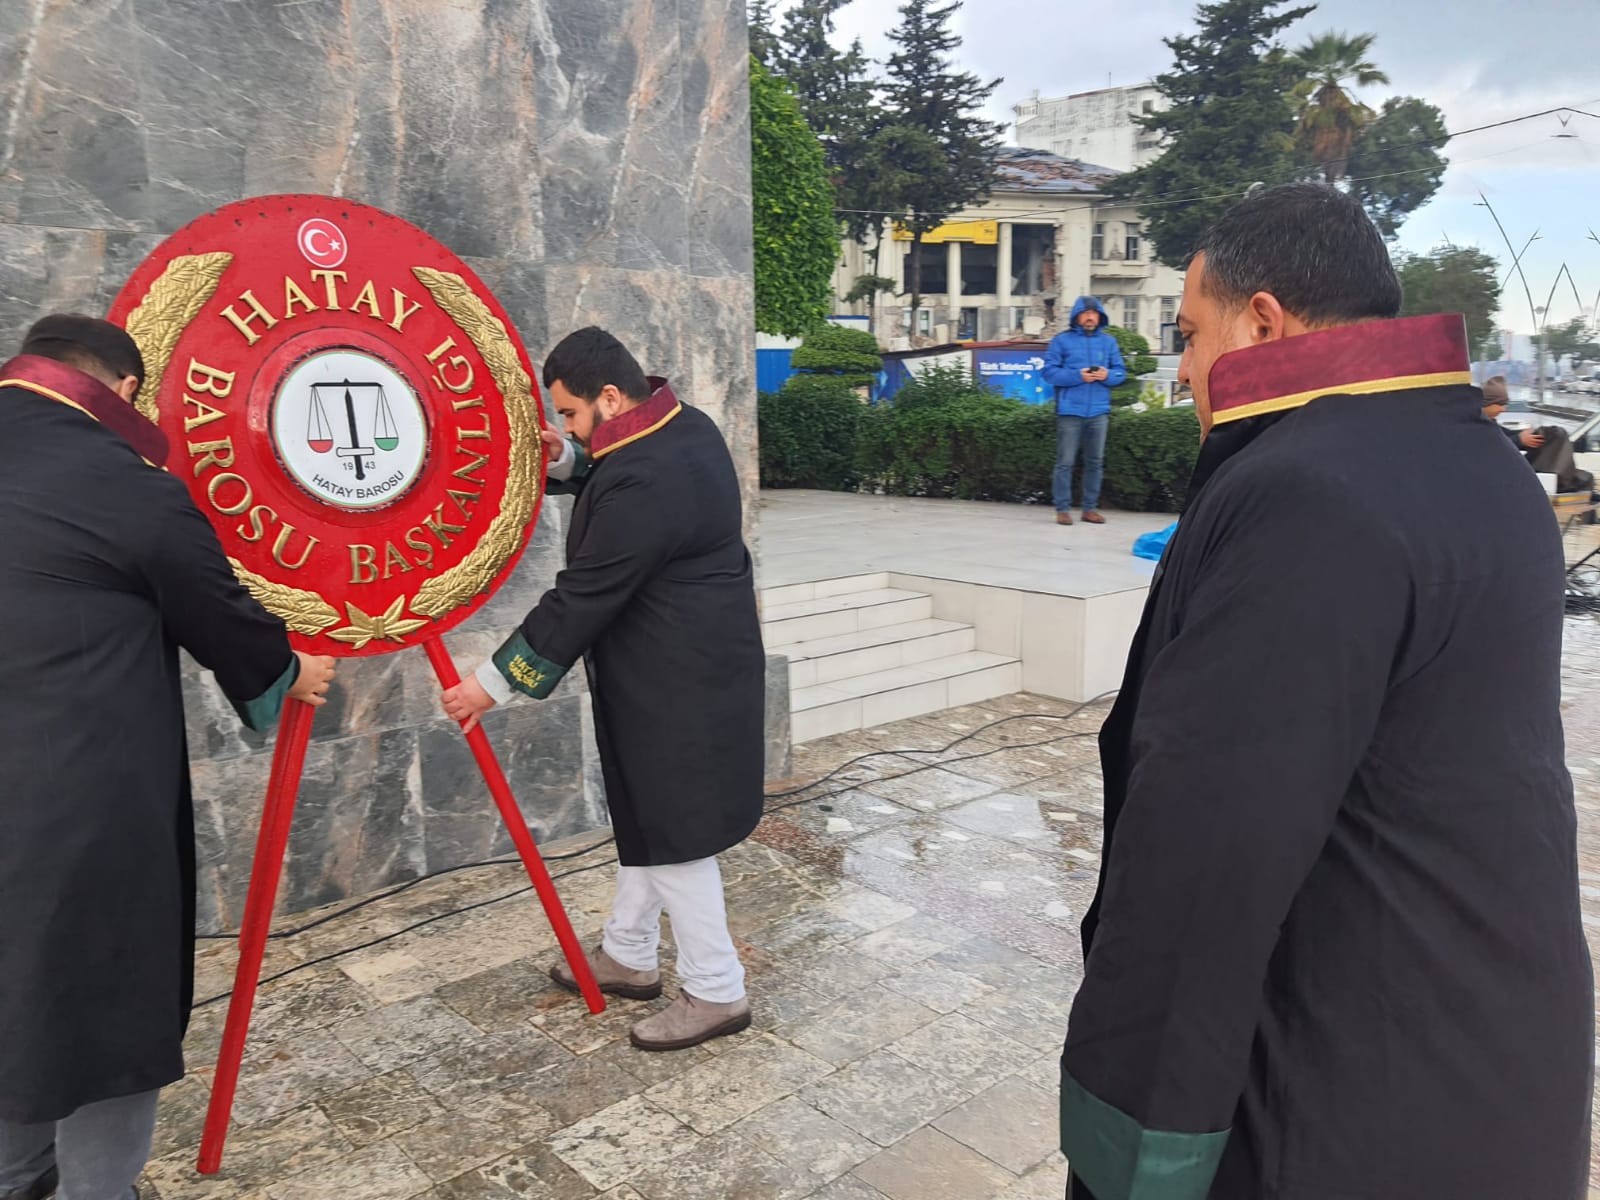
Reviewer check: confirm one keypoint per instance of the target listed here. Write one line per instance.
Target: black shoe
(40, 1189)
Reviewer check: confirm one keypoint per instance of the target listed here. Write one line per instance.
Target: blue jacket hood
(1083, 304)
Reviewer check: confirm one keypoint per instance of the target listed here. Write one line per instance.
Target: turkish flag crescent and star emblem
(356, 414)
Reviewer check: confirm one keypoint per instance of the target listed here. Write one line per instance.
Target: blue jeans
(1090, 432)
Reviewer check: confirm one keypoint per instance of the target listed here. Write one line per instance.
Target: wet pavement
(910, 932)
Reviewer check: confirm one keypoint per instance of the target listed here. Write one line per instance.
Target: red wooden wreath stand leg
(288, 761)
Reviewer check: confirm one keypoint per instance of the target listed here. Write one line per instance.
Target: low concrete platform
(1063, 601)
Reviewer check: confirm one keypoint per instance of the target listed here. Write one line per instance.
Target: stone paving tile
(968, 1057)
(929, 789)
(380, 1172)
(1013, 1123)
(1048, 1181)
(808, 1139)
(737, 1083)
(390, 975)
(306, 1002)
(256, 1157)
(930, 1166)
(501, 998)
(564, 1018)
(451, 1143)
(532, 1171)
(648, 1069)
(581, 1087)
(403, 1033)
(281, 1076)
(380, 1108)
(910, 942)
(848, 1188)
(855, 1027)
(727, 1166)
(619, 1143)
(883, 1097)
(841, 815)
(936, 986)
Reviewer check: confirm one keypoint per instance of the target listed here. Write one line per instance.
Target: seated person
(1547, 448)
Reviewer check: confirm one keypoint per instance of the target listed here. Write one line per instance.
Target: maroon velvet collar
(1374, 356)
(636, 423)
(67, 385)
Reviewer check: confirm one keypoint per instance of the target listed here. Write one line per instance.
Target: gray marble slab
(588, 158)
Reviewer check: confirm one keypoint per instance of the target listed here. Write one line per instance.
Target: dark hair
(585, 361)
(1311, 246)
(93, 346)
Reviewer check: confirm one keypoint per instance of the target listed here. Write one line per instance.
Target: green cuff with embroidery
(1119, 1159)
(262, 713)
(525, 670)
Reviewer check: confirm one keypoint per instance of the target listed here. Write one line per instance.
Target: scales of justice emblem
(349, 429)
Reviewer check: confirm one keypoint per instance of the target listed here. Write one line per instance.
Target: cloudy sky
(1479, 60)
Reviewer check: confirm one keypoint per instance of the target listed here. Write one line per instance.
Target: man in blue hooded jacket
(1083, 363)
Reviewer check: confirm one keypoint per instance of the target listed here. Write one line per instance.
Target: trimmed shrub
(1150, 457)
(809, 434)
(946, 436)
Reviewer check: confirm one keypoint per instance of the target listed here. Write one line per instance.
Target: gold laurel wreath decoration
(302, 611)
(475, 573)
(174, 300)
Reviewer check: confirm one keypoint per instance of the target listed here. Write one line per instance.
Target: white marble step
(851, 612)
(823, 660)
(795, 593)
(881, 697)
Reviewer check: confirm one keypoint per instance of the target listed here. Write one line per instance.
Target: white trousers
(691, 892)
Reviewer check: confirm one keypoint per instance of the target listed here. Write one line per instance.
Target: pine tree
(763, 42)
(835, 93)
(1231, 122)
(936, 145)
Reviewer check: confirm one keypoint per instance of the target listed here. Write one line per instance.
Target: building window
(925, 322)
(1149, 106)
(1130, 313)
(935, 270)
(1169, 309)
(1097, 246)
(980, 270)
(1131, 245)
(1019, 319)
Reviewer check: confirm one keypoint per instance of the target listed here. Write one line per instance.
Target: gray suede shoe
(690, 1021)
(614, 978)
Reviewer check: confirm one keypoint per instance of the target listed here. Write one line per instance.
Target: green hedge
(809, 434)
(944, 436)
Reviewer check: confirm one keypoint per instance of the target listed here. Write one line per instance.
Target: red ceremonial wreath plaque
(357, 418)
(350, 408)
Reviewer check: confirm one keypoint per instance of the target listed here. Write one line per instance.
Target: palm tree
(1331, 119)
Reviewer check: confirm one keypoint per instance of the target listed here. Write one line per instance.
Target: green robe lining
(1119, 1159)
(525, 670)
(262, 713)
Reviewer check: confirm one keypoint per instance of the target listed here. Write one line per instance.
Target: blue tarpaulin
(772, 369)
(1152, 545)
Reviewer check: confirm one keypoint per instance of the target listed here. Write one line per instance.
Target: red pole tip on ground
(527, 849)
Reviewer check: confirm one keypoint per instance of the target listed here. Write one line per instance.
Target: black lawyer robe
(658, 598)
(1337, 951)
(108, 568)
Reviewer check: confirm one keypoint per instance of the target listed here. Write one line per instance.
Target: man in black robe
(1337, 951)
(658, 598)
(108, 569)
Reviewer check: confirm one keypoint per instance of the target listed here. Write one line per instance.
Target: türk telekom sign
(351, 408)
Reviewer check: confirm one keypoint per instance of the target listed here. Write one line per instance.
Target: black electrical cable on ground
(793, 797)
